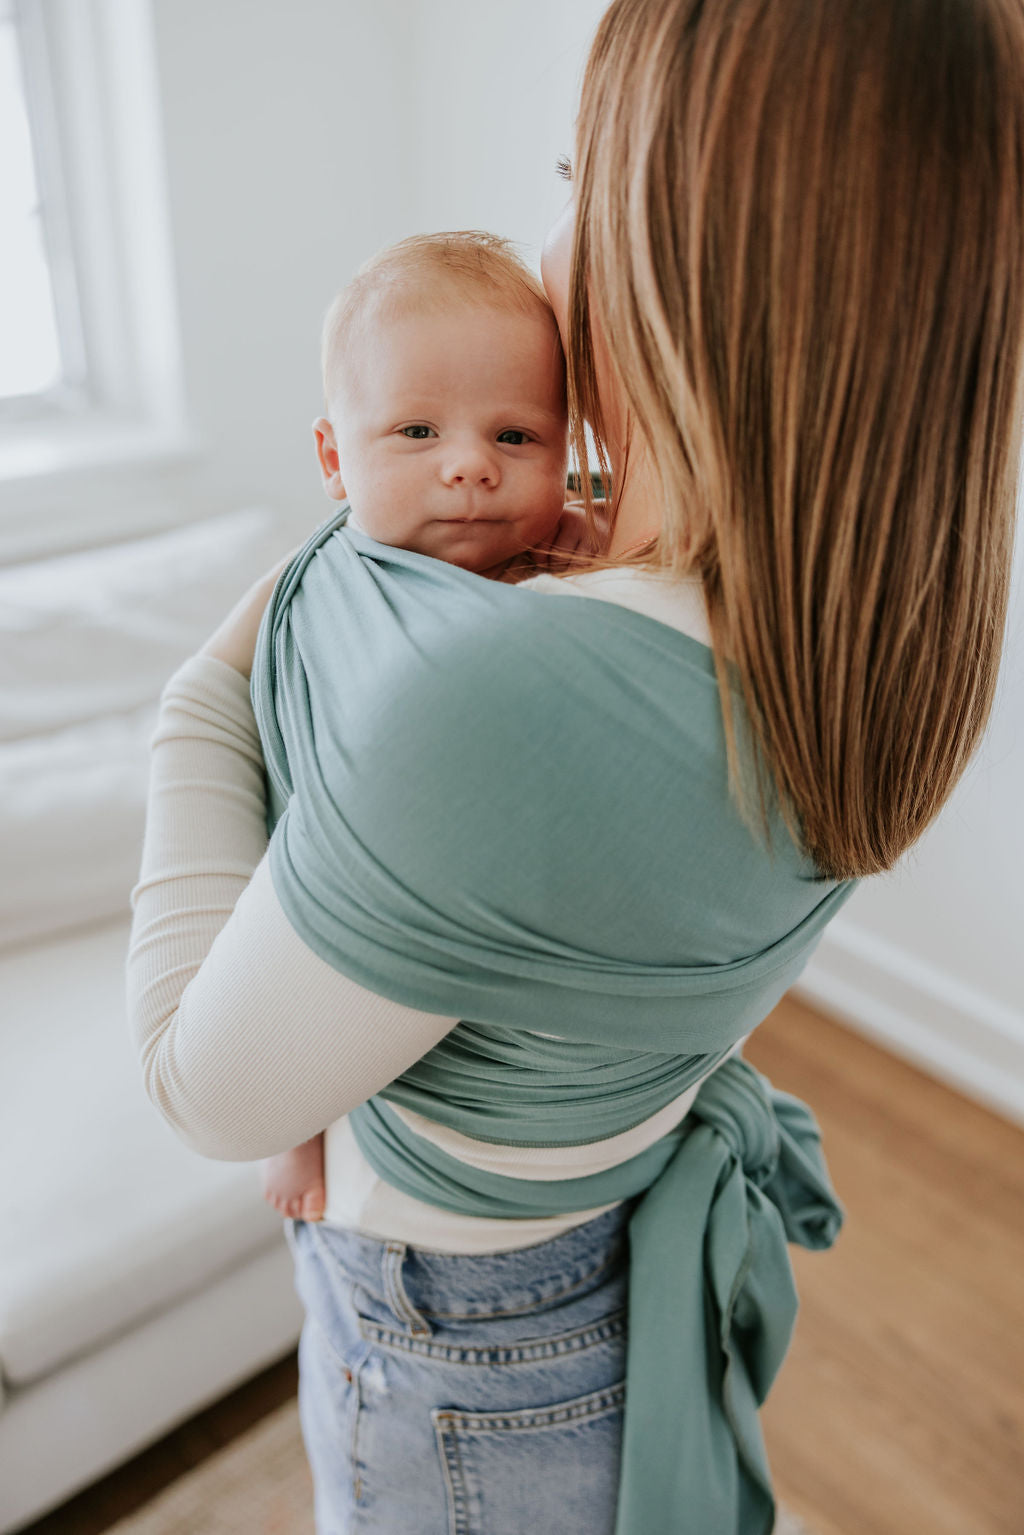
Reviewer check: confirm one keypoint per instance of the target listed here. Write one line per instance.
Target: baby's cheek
(382, 517)
(547, 509)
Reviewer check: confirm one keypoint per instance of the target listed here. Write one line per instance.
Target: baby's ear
(327, 457)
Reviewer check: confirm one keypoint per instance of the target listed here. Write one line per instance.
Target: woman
(790, 297)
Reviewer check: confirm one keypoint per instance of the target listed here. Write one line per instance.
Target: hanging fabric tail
(713, 1305)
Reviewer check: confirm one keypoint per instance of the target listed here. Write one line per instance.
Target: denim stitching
(454, 1474)
(595, 1405)
(558, 1347)
(530, 1306)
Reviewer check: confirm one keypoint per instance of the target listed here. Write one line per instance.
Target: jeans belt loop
(394, 1291)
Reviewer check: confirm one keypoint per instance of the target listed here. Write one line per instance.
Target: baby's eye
(512, 436)
(418, 431)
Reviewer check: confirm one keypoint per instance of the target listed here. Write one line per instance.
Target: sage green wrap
(512, 808)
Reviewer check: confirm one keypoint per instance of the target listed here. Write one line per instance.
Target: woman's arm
(249, 1042)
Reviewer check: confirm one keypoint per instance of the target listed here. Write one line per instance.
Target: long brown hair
(802, 222)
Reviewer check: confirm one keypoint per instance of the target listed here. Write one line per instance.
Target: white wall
(289, 162)
(496, 95)
(299, 138)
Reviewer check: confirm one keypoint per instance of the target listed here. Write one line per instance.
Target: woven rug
(259, 1485)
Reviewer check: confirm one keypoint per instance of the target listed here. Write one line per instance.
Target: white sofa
(138, 1282)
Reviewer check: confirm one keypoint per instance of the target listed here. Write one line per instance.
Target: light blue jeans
(443, 1394)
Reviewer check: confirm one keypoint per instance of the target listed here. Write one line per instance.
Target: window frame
(92, 95)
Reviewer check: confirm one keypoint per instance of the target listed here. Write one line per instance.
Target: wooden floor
(900, 1408)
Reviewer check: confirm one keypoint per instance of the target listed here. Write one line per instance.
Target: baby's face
(451, 433)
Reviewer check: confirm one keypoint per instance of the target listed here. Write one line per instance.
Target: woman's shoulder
(575, 652)
(677, 602)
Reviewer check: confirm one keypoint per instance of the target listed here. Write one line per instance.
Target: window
(35, 360)
(30, 361)
(90, 364)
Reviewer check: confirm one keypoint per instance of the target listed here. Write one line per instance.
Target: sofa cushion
(105, 1217)
(72, 815)
(87, 641)
(100, 631)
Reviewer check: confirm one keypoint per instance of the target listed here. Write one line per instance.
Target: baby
(446, 431)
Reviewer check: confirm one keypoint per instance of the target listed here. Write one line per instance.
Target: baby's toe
(313, 1205)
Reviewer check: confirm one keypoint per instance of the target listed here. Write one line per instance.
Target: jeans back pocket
(536, 1469)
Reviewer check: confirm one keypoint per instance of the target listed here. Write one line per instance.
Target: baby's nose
(471, 464)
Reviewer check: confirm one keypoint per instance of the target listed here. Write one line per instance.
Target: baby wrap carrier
(512, 807)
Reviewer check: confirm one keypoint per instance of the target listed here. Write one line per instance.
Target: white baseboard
(967, 1040)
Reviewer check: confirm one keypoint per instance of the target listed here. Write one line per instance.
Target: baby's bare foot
(293, 1181)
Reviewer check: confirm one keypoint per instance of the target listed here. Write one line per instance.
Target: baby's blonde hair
(427, 272)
